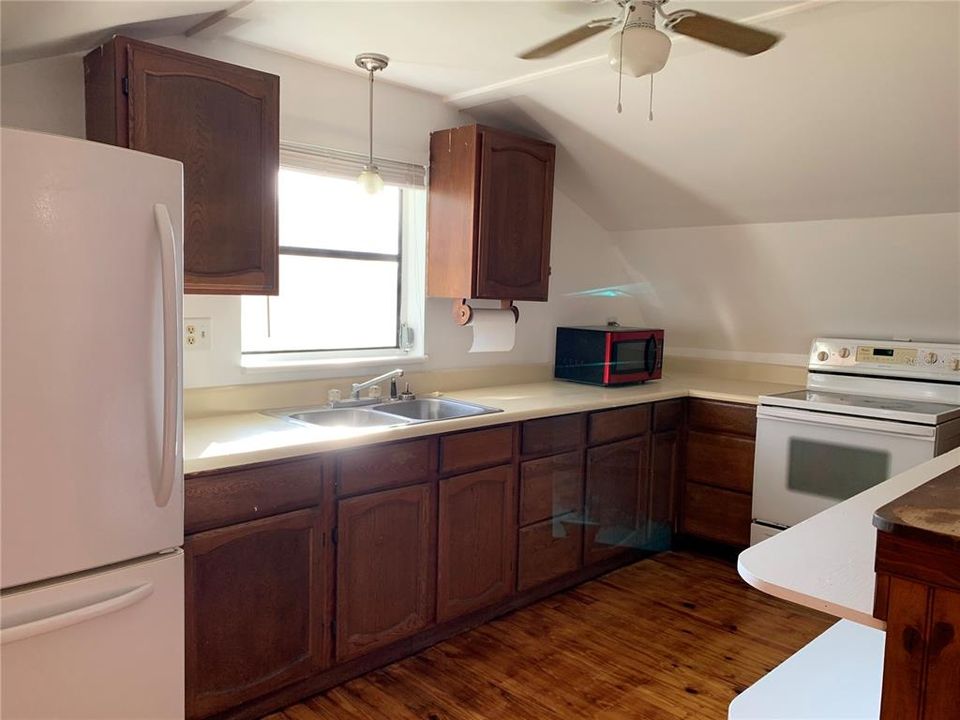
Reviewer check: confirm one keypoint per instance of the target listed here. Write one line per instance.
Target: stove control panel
(900, 358)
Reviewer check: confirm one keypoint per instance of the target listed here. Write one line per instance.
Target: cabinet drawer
(551, 435)
(716, 514)
(476, 449)
(668, 415)
(214, 501)
(551, 486)
(720, 460)
(548, 550)
(610, 425)
(712, 416)
(379, 467)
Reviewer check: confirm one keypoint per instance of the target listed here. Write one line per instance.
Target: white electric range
(871, 410)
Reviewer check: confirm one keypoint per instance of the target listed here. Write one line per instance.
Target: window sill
(265, 364)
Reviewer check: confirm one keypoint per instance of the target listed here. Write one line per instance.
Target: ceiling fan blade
(562, 42)
(742, 39)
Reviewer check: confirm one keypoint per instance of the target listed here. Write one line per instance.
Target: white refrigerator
(91, 473)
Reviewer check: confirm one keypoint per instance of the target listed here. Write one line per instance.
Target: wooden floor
(675, 636)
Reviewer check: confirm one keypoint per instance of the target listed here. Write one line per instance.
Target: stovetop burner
(917, 411)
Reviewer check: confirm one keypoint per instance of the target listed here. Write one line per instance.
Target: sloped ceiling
(31, 29)
(854, 114)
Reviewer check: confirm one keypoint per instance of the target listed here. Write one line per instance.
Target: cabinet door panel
(254, 618)
(385, 568)
(477, 541)
(615, 497)
(720, 460)
(942, 695)
(715, 514)
(516, 205)
(551, 486)
(222, 123)
(609, 425)
(664, 477)
(548, 550)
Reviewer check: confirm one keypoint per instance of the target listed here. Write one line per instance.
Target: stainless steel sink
(428, 409)
(397, 412)
(345, 417)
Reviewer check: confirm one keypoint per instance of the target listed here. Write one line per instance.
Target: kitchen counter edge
(241, 439)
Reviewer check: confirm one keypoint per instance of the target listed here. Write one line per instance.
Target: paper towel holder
(463, 313)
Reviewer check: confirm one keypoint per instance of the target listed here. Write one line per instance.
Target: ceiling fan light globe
(645, 51)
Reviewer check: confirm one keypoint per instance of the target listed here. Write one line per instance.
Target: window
(351, 272)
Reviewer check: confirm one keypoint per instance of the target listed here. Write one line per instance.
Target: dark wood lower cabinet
(664, 482)
(918, 594)
(385, 568)
(255, 615)
(717, 477)
(406, 543)
(714, 514)
(614, 499)
(548, 550)
(477, 540)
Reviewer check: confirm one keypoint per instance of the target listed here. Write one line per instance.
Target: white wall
(44, 95)
(749, 291)
(324, 106)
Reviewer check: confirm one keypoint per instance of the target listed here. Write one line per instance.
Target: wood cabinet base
(384, 656)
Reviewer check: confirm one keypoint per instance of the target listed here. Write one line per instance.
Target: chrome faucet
(357, 387)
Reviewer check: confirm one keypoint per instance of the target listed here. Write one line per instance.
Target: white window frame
(412, 303)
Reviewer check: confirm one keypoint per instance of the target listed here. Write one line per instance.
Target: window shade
(339, 163)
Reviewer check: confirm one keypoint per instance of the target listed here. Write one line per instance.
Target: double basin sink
(386, 414)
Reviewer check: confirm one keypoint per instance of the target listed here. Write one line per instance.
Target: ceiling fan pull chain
(620, 75)
(650, 116)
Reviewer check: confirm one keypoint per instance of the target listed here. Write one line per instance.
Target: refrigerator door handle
(81, 614)
(171, 354)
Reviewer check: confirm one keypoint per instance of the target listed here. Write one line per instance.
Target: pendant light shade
(645, 51)
(370, 179)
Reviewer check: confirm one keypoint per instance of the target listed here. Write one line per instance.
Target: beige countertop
(223, 441)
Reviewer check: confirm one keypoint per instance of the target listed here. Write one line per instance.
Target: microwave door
(634, 359)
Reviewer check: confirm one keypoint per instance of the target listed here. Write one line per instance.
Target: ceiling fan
(638, 48)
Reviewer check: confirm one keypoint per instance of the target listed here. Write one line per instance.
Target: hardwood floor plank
(674, 637)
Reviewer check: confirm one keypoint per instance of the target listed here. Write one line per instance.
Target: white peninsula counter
(826, 563)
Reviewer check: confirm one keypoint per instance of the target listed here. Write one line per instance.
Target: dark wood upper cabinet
(489, 216)
(477, 541)
(254, 609)
(385, 568)
(222, 122)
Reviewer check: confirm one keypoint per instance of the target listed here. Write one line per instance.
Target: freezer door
(104, 645)
(91, 284)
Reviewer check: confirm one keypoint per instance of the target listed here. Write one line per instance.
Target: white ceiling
(32, 29)
(449, 47)
(854, 114)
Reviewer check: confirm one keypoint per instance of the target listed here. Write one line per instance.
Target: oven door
(632, 357)
(807, 461)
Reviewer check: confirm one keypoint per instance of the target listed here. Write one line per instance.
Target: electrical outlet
(196, 333)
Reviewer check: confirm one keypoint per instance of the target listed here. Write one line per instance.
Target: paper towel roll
(493, 330)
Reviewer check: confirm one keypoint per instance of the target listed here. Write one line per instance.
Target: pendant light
(370, 179)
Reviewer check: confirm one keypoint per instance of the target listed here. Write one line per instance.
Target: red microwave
(608, 355)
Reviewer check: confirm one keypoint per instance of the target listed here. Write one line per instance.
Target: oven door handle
(883, 427)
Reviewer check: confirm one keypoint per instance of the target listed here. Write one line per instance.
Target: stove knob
(844, 352)
(931, 358)
(823, 355)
